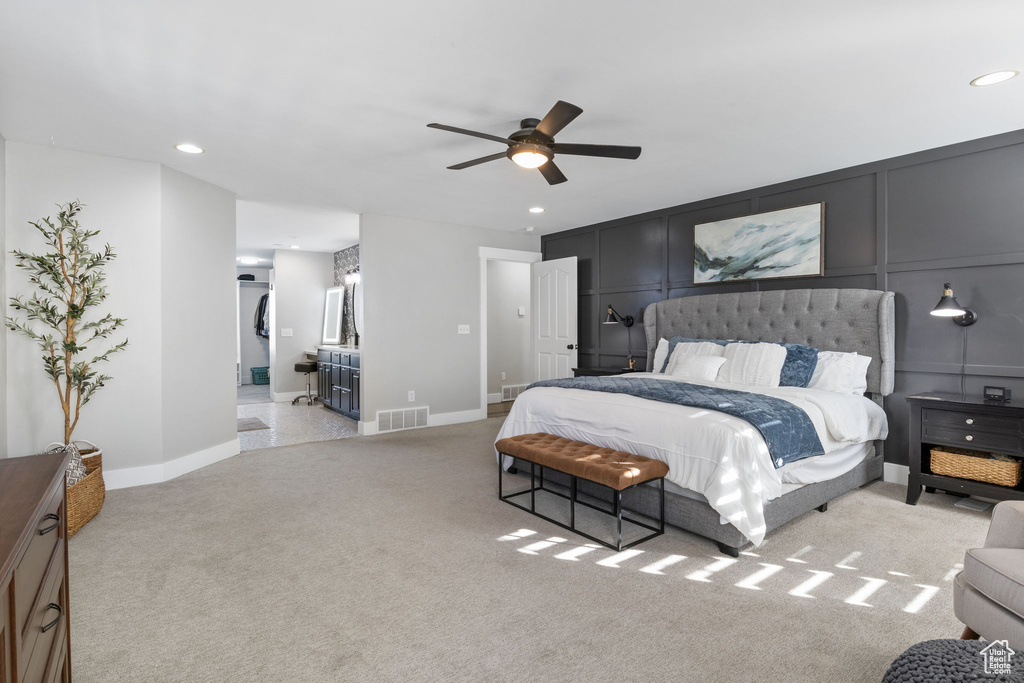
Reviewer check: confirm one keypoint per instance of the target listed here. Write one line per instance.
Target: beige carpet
(389, 558)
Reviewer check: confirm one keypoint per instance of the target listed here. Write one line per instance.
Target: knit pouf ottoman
(946, 661)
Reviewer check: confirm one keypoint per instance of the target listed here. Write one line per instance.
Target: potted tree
(68, 280)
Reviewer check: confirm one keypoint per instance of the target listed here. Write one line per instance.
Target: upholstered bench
(616, 470)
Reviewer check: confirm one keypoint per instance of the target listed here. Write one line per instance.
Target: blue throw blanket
(786, 429)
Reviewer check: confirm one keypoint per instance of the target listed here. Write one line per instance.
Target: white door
(554, 318)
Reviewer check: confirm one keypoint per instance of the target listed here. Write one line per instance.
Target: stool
(946, 661)
(306, 366)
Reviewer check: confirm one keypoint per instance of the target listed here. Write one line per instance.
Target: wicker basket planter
(86, 497)
(975, 465)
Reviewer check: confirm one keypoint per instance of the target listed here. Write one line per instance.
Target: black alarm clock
(997, 394)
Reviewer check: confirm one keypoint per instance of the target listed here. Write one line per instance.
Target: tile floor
(288, 424)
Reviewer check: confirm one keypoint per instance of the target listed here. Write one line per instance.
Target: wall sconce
(353, 277)
(612, 318)
(949, 307)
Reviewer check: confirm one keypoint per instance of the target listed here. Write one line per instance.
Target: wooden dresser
(34, 631)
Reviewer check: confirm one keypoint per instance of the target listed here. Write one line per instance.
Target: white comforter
(719, 456)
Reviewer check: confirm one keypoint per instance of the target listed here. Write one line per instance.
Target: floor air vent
(512, 391)
(407, 418)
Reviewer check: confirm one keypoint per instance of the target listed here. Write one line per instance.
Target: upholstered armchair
(988, 595)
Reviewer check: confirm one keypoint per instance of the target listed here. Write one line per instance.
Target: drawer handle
(43, 532)
(56, 621)
(969, 420)
(969, 437)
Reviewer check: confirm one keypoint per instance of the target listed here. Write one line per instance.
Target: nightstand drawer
(970, 421)
(969, 438)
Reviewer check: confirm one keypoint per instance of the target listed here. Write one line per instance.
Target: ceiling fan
(534, 146)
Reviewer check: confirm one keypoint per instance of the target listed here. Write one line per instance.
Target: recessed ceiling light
(537, 209)
(530, 229)
(994, 77)
(295, 246)
(189, 148)
(248, 260)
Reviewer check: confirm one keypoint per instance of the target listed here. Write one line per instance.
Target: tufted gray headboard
(859, 320)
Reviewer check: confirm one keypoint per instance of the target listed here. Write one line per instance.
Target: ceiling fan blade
(551, 173)
(611, 151)
(474, 162)
(485, 136)
(560, 116)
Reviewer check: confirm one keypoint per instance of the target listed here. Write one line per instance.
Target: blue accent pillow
(796, 371)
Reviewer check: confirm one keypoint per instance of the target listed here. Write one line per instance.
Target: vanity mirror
(332, 315)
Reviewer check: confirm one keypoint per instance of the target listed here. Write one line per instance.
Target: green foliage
(68, 282)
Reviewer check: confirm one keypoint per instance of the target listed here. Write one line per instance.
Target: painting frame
(792, 245)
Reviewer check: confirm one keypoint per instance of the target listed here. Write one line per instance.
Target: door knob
(572, 346)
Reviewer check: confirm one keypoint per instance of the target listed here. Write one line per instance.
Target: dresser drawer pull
(56, 621)
(969, 420)
(969, 437)
(43, 532)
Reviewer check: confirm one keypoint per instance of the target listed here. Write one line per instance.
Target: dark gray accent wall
(908, 224)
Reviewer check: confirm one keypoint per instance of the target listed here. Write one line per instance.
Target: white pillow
(698, 368)
(660, 354)
(844, 373)
(696, 349)
(753, 365)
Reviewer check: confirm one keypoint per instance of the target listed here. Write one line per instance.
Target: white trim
(896, 474)
(495, 254)
(454, 418)
(154, 474)
(494, 398)
(368, 428)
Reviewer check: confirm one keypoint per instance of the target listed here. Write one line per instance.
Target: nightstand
(599, 372)
(962, 422)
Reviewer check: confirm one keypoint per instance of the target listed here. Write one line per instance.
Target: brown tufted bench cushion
(615, 469)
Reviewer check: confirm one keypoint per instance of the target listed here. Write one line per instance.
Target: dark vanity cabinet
(338, 381)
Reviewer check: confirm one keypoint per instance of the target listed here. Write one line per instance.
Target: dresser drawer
(965, 437)
(48, 612)
(323, 355)
(355, 360)
(973, 421)
(38, 555)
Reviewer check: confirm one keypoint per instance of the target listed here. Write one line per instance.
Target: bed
(850, 320)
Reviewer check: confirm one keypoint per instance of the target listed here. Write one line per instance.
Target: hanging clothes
(261, 321)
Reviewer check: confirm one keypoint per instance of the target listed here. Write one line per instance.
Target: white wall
(420, 281)
(508, 333)
(198, 314)
(3, 296)
(122, 200)
(300, 283)
(170, 406)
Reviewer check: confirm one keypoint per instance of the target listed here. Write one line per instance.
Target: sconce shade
(614, 317)
(949, 307)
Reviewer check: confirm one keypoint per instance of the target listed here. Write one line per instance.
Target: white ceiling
(325, 105)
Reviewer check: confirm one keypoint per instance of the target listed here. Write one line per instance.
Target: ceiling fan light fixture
(529, 155)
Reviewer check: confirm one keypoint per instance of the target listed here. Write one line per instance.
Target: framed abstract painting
(765, 246)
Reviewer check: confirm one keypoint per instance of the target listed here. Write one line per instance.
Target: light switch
(463, 329)
(412, 396)
(286, 331)
(522, 311)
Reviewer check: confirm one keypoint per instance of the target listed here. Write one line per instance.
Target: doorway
(505, 327)
(253, 349)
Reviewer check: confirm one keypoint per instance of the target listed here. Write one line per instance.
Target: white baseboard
(897, 474)
(455, 418)
(494, 398)
(154, 474)
(369, 428)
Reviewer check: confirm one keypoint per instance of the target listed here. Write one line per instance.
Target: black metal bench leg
(572, 503)
(533, 490)
(618, 517)
(662, 524)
